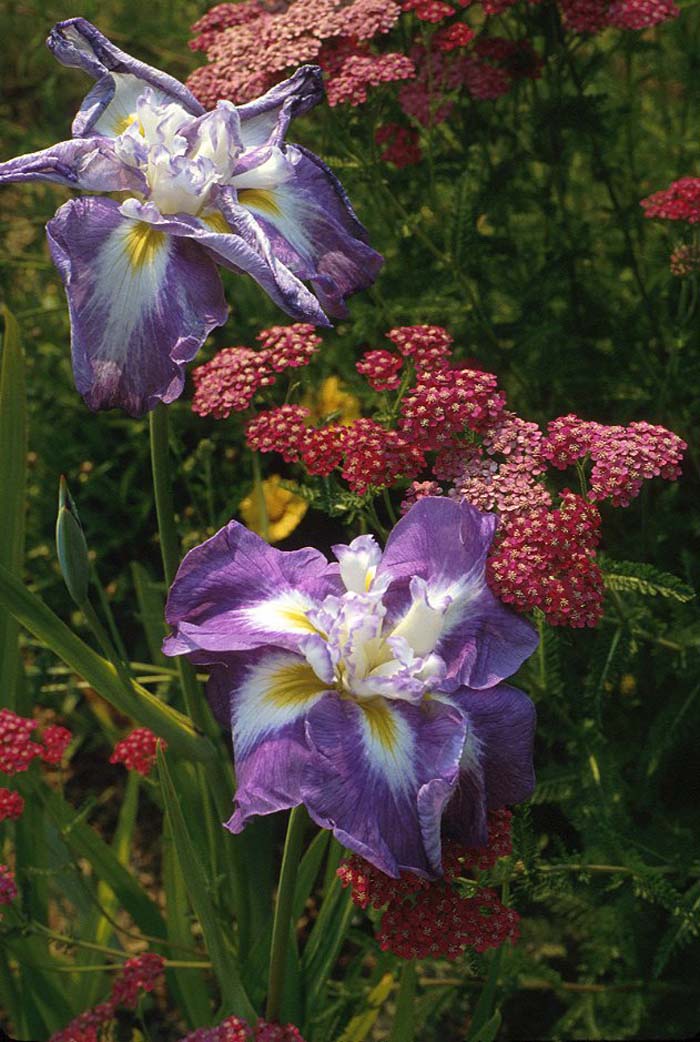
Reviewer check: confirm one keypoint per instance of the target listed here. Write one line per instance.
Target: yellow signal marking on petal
(259, 199)
(218, 223)
(125, 122)
(293, 684)
(142, 243)
(381, 722)
(298, 618)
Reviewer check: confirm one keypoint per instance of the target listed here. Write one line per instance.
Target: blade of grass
(189, 988)
(13, 477)
(151, 611)
(234, 997)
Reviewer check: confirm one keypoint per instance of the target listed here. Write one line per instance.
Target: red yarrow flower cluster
(428, 10)
(233, 1029)
(399, 144)
(546, 559)
(623, 457)
(592, 16)
(452, 37)
(446, 402)
(138, 750)
(374, 457)
(418, 490)
(56, 740)
(11, 805)
(380, 369)
(139, 974)
(425, 918)
(679, 202)
(279, 430)
(684, 260)
(17, 750)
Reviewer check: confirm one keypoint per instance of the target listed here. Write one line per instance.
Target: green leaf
(29, 609)
(490, 1029)
(13, 477)
(360, 1026)
(404, 1028)
(325, 941)
(234, 997)
(188, 986)
(85, 842)
(149, 598)
(308, 870)
(644, 579)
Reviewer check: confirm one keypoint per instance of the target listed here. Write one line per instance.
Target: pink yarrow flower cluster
(139, 974)
(434, 919)
(138, 750)
(17, 750)
(249, 46)
(623, 457)
(546, 559)
(229, 382)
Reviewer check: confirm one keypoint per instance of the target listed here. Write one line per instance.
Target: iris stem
(159, 430)
(283, 911)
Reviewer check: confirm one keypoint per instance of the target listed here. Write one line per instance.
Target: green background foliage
(521, 233)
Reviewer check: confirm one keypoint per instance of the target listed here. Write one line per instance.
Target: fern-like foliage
(644, 579)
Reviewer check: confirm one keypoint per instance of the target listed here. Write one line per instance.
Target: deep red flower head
(138, 750)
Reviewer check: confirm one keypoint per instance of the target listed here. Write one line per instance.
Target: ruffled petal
(242, 247)
(504, 721)
(313, 229)
(85, 163)
(496, 767)
(445, 544)
(110, 105)
(235, 592)
(269, 693)
(265, 119)
(141, 304)
(381, 776)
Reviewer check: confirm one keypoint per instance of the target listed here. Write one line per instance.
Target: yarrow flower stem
(283, 911)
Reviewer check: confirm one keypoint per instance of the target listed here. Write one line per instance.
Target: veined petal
(141, 304)
(243, 248)
(313, 229)
(503, 722)
(86, 163)
(380, 777)
(445, 544)
(235, 592)
(121, 78)
(266, 119)
(269, 692)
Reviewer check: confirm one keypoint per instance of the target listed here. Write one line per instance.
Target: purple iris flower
(196, 189)
(369, 690)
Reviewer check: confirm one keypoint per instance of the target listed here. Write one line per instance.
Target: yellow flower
(284, 510)
(330, 398)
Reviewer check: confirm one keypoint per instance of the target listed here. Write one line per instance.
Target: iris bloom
(195, 189)
(369, 690)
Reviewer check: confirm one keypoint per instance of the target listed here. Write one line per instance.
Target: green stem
(108, 649)
(283, 911)
(404, 1029)
(158, 425)
(389, 506)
